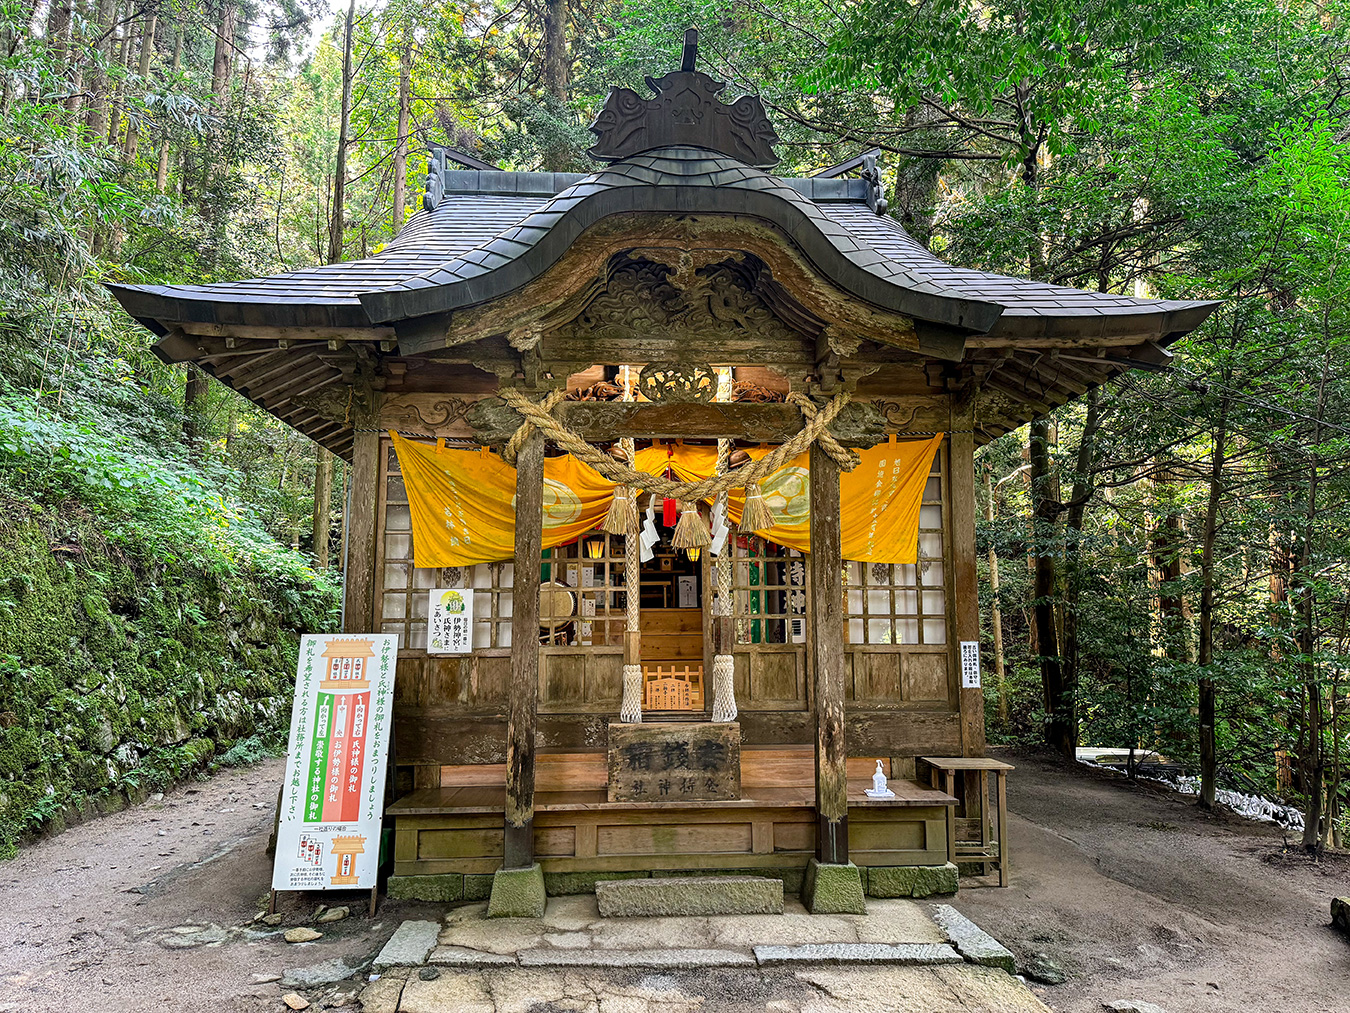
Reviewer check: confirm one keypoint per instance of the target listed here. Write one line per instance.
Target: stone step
(689, 895)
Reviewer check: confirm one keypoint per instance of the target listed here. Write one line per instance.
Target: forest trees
(1170, 549)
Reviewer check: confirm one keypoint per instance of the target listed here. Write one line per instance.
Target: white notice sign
(450, 621)
(970, 664)
(333, 798)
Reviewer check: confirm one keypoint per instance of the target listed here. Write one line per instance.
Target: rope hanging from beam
(538, 415)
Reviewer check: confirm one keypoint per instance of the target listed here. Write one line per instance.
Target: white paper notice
(333, 798)
(450, 621)
(970, 664)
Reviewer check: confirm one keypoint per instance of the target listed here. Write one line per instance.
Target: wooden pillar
(358, 577)
(827, 652)
(961, 464)
(523, 692)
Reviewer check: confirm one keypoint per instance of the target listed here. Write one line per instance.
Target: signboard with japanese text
(970, 664)
(674, 762)
(328, 836)
(450, 621)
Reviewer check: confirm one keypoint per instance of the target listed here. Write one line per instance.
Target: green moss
(123, 674)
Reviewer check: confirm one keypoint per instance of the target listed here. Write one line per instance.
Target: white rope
(724, 688)
(631, 711)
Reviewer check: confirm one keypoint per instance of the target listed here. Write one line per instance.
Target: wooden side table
(991, 848)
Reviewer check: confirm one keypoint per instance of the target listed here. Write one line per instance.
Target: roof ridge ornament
(685, 110)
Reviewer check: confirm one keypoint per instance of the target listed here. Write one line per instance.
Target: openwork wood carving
(720, 304)
(675, 381)
(684, 111)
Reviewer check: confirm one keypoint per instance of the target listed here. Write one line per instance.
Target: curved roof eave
(522, 254)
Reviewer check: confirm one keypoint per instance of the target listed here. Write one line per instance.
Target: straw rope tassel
(724, 666)
(631, 709)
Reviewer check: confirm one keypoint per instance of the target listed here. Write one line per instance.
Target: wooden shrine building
(680, 311)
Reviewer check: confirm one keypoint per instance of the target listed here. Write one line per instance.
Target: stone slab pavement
(947, 988)
(895, 958)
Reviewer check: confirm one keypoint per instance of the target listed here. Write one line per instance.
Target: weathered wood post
(827, 652)
(358, 575)
(523, 692)
(961, 469)
(833, 884)
(518, 887)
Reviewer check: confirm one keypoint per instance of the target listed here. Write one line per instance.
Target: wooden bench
(457, 827)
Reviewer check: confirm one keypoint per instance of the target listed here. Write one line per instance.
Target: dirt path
(1136, 893)
(85, 916)
(1141, 895)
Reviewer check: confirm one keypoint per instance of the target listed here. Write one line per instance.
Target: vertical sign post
(328, 836)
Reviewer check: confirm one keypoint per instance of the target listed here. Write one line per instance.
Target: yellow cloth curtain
(463, 501)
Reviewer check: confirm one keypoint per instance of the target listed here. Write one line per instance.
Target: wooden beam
(523, 691)
(358, 598)
(827, 652)
(255, 332)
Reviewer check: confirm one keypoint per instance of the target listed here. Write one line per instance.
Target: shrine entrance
(673, 623)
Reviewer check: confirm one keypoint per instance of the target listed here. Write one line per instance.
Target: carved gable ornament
(714, 304)
(684, 111)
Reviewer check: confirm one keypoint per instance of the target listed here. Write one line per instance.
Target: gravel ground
(1140, 894)
(1134, 891)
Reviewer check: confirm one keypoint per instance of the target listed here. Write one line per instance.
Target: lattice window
(402, 596)
(895, 603)
(768, 583)
(591, 571)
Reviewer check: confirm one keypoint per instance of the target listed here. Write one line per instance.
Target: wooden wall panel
(604, 681)
(776, 680)
(926, 677)
(676, 838)
(562, 682)
(876, 677)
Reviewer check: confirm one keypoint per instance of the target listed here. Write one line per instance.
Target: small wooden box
(674, 762)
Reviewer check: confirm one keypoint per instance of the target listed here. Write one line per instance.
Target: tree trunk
(1083, 489)
(335, 222)
(1314, 757)
(143, 74)
(193, 390)
(1208, 701)
(1061, 731)
(556, 64)
(404, 111)
(96, 116)
(162, 170)
(995, 609)
(323, 494)
(119, 92)
(1167, 544)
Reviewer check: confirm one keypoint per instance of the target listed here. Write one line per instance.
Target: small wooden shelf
(989, 845)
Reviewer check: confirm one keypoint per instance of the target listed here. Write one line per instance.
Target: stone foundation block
(911, 881)
(444, 888)
(690, 896)
(477, 886)
(792, 878)
(566, 884)
(833, 889)
(518, 893)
